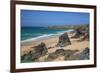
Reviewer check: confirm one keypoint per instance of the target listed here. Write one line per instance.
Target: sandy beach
(50, 42)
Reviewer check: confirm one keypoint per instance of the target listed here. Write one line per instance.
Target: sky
(52, 18)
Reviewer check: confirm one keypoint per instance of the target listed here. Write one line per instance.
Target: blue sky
(52, 18)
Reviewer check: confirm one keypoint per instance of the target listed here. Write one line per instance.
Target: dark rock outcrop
(63, 40)
(60, 52)
(82, 33)
(33, 55)
(85, 37)
(77, 33)
(84, 55)
(40, 50)
(69, 53)
(27, 57)
(55, 54)
(86, 34)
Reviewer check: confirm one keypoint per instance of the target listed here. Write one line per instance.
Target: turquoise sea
(28, 33)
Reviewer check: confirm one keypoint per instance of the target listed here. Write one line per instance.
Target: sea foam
(44, 36)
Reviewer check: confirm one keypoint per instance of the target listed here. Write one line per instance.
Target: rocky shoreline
(63, 47)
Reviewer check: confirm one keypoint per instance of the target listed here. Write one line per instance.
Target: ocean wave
(61, 32)
(37, 38)
(44, 36)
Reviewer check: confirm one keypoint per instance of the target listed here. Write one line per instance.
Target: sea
(35, 33)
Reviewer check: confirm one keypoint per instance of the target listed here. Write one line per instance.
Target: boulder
(60, 52)
(63, 40)
(85, 37)
(77, 33)
(56, 54)
(40, 50)
(82, 33)
(27, 57)
(86, 34)
(69, 54)
(84, 55)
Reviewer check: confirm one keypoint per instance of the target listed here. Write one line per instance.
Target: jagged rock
(82, 33)
(85, 37)
(86, 34)
(27, 57)
(40, 50)
(63, 40)
(84, 55)
(55, 54)
(60, 52)
(76, 33)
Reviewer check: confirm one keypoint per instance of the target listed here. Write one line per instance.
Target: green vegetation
(68, 26)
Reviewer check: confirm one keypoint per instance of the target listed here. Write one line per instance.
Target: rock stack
(63, 40)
